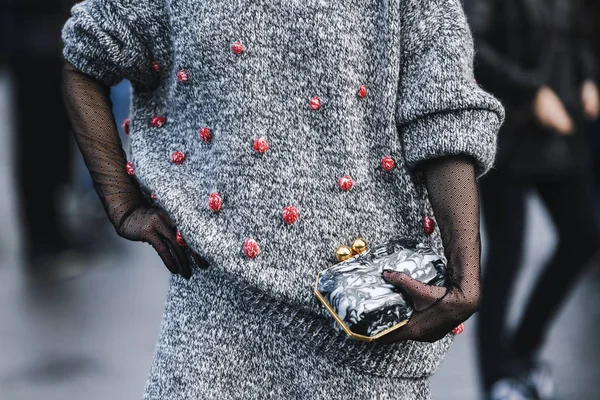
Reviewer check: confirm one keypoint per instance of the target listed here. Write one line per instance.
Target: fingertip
(200, 262)
(186, 271)
(388, 276)
(393, 276)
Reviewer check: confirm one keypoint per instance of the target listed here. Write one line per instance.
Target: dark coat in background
(31, 48)
(523, 45)
(31, 26)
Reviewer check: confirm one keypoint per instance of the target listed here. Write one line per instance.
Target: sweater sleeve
(112, 40)
(441, 109)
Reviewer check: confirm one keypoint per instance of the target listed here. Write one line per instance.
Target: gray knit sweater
(290, 72)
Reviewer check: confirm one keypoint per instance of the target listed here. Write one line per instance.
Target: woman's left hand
(437, 310)
(454, 197)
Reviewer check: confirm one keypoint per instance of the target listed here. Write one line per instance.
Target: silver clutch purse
(358, 299)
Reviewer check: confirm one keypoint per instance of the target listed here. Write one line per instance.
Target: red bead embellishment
(459, 329)
(158, 121)
(177, 157)
(156, 66)
(261, 145)
(362, 91)
(237, 47)
(126, 126)
(205, 135)
(315, 103)
(345, 183)
(215, 202)
(182, 76)
(428, 225)
(130, 168)
(180, 239)
(290, 214)
(153, 196)
(387, 163)
(251, 248)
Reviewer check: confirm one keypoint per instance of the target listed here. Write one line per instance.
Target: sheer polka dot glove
(453, 193)
(90, 110)
(152, 225)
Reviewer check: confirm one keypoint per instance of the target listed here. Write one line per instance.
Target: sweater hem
(311, 333)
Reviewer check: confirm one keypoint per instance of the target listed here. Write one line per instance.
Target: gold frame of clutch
(353, 335)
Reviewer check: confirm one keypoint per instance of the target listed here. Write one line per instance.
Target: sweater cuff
(106, 73)
(469, 132)
(106, 40)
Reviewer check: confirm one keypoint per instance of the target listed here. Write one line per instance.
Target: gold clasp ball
(343, 253)
(359, 246)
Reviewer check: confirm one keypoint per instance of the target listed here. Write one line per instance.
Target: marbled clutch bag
(361, 302)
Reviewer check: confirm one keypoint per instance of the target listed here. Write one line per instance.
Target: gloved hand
(134, 218)
(152, 225)
(454, 197)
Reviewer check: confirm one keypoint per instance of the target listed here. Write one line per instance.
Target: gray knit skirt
(222, 340)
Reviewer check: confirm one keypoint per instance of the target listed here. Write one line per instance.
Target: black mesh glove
(134, 218)
(454, 196)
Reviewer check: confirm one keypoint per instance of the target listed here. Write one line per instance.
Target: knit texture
(248, 346)
(422, 102)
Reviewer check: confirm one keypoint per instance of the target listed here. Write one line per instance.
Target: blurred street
(92, 337)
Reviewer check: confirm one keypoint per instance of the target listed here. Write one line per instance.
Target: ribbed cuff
(106, 73)
(83, 47)
(471, 132)
(311, 334)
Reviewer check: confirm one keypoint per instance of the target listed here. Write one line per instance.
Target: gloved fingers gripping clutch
(361, 302)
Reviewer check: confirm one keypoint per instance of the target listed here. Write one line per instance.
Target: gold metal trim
(343, 325)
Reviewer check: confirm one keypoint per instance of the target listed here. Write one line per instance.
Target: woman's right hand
(88, 104)
(152, 225)
(551, 113)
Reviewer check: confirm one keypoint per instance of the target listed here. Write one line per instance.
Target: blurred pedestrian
(42, 140)
(593, 10)
(534, 55)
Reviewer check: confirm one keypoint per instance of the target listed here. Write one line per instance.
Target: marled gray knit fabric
(414, 56)
(247, 346)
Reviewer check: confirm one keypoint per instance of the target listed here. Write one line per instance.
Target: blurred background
(80, 308)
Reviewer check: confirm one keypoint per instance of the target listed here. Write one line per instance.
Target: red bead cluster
(362, 91)
(153, 196)
(177, 157)
(215, 202)
(387, 163)
(180, 239)
(251, 248)
(182, 76)
(261, 145)
(315, 103)
(126, 126)
(205, 135)
(237, 47)
(345, 183)
(459, 329)
(290, 215)
(156, 66)
(428, 225)
(158, 121)
(130, 168)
